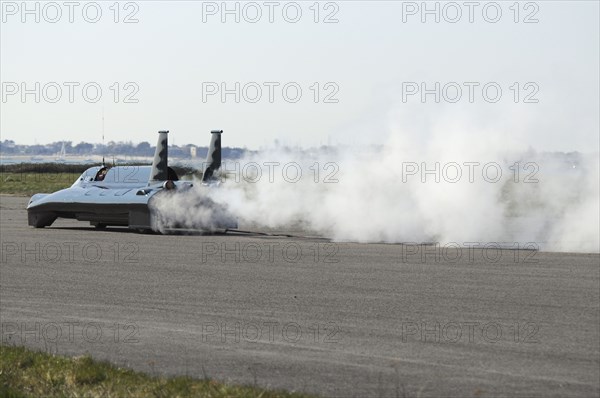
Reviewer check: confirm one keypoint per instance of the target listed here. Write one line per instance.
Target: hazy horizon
(350, 71)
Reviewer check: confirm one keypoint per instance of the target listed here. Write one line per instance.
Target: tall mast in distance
(103, 147)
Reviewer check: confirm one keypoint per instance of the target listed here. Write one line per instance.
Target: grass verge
(26, 373)
(27, 184)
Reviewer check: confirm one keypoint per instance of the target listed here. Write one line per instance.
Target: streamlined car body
(127, 195)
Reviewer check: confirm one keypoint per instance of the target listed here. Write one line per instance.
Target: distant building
(193, 152)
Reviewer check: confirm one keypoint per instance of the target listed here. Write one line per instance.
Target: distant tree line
(143, 149)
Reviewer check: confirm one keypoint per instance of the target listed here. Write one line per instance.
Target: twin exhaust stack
(160, 167)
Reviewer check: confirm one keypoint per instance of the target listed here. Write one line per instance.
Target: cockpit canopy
(120, 175)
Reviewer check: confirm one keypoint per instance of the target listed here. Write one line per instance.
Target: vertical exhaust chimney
(160, 170)
(213, 158)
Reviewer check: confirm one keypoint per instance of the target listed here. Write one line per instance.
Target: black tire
(40, 220)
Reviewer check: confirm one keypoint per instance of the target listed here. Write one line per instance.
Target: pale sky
(367, 62)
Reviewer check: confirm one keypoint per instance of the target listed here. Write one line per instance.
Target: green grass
(26, 373)
(28, 183)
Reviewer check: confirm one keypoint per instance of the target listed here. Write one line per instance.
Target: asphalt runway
(301, 313)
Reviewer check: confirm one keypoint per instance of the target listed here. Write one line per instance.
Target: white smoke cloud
(376, 200)
(188, 209)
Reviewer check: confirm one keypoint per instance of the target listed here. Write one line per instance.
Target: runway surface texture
(301, 313)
